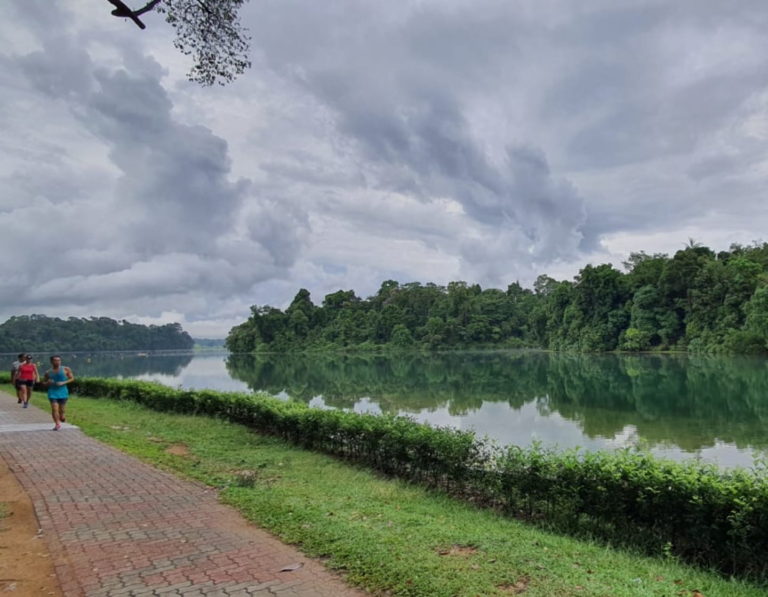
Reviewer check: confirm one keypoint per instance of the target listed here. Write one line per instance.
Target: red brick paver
(118, 527)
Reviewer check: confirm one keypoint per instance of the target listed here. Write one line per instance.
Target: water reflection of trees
(409, 382)
(688, 401)
(126, 365)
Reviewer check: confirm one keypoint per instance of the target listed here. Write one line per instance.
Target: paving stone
(117, 527)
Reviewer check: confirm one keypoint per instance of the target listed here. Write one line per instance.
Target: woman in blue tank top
(57, 379)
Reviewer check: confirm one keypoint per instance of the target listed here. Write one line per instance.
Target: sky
(419, 141)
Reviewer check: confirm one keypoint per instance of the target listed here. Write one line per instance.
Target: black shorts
(25, 382)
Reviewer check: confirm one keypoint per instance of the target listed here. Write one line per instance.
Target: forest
(697, 300)
(40, 333)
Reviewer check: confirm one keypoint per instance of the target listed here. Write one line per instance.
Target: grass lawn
(385, 535)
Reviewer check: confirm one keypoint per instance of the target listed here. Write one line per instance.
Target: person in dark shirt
(14, 370)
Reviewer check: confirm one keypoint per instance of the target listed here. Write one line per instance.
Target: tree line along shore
(697, 300)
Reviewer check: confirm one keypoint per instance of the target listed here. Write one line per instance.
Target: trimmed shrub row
(696, 512)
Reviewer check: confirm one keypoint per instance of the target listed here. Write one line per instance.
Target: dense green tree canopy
(695, 300)
(29, 333)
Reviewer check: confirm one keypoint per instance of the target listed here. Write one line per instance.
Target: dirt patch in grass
(458, 550)
(26, 569)
(177, 450)
(516, 588)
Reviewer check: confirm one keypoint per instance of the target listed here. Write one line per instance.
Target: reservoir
(677, 406)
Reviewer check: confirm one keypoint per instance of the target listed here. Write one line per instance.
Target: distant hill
(40, 333)
(209, 343)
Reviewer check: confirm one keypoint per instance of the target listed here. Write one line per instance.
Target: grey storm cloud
(401, 95)
(174, 193)
(615, 86)
(172, 222)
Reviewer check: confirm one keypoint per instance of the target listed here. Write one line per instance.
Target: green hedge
(694, 511)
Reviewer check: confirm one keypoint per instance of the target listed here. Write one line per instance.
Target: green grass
(385, 535)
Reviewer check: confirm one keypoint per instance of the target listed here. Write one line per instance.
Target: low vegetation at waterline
(697, 300)
(690, 511)
(388, 536)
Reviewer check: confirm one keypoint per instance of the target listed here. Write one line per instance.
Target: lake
(677, 406)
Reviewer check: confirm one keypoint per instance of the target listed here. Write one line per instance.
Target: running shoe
(26, 405)
(56, 427)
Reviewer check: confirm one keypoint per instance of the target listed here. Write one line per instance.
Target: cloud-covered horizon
(428, 141)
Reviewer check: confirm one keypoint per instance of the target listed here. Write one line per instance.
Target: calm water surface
(713, 408)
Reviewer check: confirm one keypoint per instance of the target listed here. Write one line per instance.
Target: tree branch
(204, 6)
(147, 7)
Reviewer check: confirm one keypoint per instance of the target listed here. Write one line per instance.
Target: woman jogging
(14, 371)
(26, 377)
(57, 379)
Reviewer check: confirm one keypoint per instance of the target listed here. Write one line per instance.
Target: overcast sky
(480, 140)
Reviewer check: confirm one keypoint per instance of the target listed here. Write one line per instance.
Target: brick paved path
(118, 527)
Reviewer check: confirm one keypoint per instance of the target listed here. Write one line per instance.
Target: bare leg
(55, 414)
(27, 395)
(62, 408)
(20, 393)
